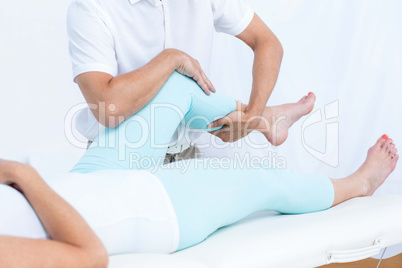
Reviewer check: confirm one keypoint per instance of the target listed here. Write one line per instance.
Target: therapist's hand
(236, 126)
(190, 67)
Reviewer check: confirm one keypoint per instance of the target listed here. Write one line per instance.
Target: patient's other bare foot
(380, 162)
(278, 119)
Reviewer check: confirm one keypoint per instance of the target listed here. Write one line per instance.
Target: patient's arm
(73, 243)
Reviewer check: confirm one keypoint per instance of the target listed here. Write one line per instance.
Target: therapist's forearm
(132, 91)
(267, 61)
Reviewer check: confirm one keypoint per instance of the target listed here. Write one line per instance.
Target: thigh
(206, 198)
(211, 193)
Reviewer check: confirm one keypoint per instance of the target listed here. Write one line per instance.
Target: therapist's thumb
(220, 122)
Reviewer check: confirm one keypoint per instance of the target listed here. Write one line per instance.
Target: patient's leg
(380, 162)
(207, 197)
(276, 120)
(141, 141)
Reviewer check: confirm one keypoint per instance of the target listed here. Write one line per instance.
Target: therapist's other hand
(190, 67)
(236, 126)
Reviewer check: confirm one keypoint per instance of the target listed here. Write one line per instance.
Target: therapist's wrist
(254, 116)
(174, 56)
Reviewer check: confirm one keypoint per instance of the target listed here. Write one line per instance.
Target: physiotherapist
(124, 51)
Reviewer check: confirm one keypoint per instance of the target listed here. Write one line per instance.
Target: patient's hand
(8, 170)
(12, 171)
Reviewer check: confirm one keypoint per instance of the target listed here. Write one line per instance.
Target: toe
(311, 96)
(386, 144)
(396, 157)
(393, 152)
(303, 98)
(391, 147)
(381, 140)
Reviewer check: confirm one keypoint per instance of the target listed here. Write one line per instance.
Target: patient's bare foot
(278, 119)
(380, 162)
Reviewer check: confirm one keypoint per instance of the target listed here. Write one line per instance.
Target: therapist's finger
(201, 82)
(221, 130)
(209, 83)
(220, 122)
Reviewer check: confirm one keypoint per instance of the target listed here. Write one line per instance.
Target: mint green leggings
(204, 197)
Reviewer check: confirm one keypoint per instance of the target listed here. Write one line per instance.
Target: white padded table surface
(269, 239)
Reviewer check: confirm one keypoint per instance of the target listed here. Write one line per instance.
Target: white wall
(345, 51)
(35, 70)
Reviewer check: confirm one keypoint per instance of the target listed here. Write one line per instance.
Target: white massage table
(354, 230)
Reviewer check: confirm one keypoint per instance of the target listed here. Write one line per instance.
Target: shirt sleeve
(91, 45)
(231, 16)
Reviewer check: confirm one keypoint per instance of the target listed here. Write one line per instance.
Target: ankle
(264, 125)
(240, 106)
(360, 183)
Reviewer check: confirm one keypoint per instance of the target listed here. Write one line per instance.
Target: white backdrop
(347, 52)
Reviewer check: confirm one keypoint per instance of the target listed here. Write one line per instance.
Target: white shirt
(119, 36)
